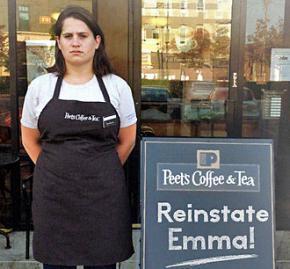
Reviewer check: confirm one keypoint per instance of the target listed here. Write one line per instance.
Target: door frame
(234, 115)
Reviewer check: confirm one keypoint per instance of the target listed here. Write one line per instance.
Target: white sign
(280, 65)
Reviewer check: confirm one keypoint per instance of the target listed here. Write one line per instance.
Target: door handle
(235, 80)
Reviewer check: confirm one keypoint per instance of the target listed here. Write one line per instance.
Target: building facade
(197, 68)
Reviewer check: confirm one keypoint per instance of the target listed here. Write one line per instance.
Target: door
(258, 103)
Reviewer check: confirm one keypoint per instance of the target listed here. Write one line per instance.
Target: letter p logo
(208, 159)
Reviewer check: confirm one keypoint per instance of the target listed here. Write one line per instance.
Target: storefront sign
(207, 203)
(280, 64)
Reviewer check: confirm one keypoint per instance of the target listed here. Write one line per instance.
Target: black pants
(48, 266)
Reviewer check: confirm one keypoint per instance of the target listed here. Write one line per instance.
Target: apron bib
(81, 210)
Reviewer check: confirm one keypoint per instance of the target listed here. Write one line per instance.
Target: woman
(79, 127)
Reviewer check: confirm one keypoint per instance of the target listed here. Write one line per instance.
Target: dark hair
(101, 64)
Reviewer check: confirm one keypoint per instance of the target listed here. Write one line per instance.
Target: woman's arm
(127, 137)
(30, 141)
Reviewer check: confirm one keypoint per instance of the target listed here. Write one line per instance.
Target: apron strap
(104, 90)
(57, 88)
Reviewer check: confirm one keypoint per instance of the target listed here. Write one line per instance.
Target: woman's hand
(127, 137)
(30, 142)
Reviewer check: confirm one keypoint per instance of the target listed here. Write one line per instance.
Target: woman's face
(77, 43)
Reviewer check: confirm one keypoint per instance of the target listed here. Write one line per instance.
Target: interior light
(55, 15)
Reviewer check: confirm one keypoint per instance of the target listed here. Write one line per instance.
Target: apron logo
(81, 117)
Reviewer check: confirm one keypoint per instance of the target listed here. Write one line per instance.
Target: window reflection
(200, 5)
(264, 36)
(185, 58)
(23, 13)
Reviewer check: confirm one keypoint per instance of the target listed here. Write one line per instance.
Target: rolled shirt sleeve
(29, 118)
(127, 111)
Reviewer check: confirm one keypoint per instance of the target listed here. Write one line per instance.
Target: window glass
(200, 5)
(23, 14)
(185, 65)
(262, 94)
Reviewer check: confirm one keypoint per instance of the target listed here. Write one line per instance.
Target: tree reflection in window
(258, 49)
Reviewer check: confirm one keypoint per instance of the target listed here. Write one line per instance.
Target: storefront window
(5, 119)
(262, 95)
(185, 67)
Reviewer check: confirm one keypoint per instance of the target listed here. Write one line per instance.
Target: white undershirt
(41, 90)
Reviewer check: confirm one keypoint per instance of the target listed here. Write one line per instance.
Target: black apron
(80, 208)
